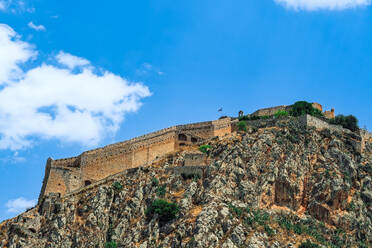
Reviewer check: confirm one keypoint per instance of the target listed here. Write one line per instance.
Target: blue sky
(75, 76)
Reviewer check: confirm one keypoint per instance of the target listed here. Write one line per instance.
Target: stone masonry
(66, 175)
(63, 176)
(272, 110)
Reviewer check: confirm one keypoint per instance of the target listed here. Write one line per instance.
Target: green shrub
(249, 221)
(297, 228)
(204, 148)
(161, 190)
(242, 126)
(155, 181)
(302, 108)
(236, 210)
(196, 177)
(281, 113)
(117, 185)
(253, 117)
(308, 244)
(362, 244)
(269, 230)
(260, 217)
(350, 206)
(264, 117)
(166, 210)
(111, 244)
(284, 222)
(350, 122)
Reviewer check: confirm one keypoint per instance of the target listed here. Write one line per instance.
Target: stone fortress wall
(271, 111)
(66, 175)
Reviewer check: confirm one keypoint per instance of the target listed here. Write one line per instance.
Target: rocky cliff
(281, 186)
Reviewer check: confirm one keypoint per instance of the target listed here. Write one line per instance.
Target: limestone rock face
(267, 187)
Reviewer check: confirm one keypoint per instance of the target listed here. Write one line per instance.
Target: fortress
(64, 176)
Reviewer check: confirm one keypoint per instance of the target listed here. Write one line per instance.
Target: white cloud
(146, 69)
(19, 205)
(322, 4)
(2, 5)
(15, 6)
(56, 102)
(36, 27)
(71, 61)
(12, 159)
(13, 52)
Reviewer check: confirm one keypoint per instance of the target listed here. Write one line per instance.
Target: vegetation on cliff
(302, 107)
(350, 122)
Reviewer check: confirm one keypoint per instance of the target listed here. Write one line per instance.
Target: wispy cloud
(147, 69)
(36, 27)
(2, 5)
(66, 100)
(15, 6)
(12, 159)
(19, 205)
(311, 5)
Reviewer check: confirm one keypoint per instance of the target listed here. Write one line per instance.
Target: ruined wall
(317, 106)
(270, 111)
(66, 175)
(311, 121)
(329, 114)
(222, 127)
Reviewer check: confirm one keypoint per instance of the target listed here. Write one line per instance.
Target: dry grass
(196, 211)
(350, 196)
(178, 194)
(186, 240)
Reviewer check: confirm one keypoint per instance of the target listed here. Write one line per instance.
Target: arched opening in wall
(182, 137)
(194, 140)
(87, 182)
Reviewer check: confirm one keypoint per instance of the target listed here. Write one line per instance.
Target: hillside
(272, 186)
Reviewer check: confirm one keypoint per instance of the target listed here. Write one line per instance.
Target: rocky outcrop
(267, 187)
